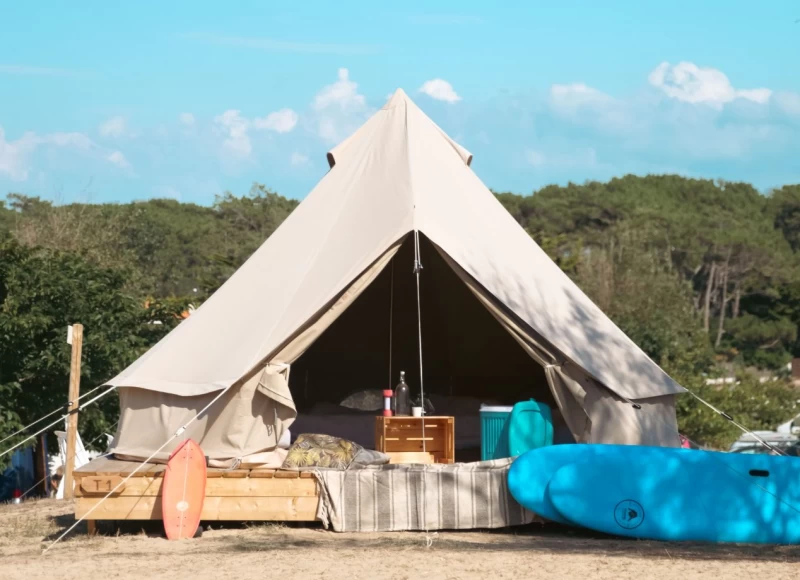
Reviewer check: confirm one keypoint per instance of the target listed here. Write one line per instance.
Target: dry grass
(264, 550)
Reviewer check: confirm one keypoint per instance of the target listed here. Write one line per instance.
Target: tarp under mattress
(419, 497)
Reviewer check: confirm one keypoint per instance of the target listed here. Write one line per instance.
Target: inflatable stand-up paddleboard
(682, 495)
(530, 474)
(183, 491)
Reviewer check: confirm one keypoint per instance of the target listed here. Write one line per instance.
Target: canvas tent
(396, 175)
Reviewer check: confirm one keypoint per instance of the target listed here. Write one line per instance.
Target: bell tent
(330, 304)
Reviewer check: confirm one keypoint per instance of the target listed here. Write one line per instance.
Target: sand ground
(307, 551)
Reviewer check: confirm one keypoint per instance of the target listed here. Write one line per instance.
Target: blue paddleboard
(530, 474)
(681, 495)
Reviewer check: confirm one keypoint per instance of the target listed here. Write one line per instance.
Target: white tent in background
(398, 174)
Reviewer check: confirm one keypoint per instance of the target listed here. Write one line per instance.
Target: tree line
(703, 275)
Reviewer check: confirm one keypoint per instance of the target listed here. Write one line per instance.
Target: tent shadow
(534, 538)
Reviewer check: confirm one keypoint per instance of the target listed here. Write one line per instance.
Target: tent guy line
(61, 418)
(50, 414)
(180, 431)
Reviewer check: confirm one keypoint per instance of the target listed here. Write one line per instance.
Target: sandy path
(277, 551)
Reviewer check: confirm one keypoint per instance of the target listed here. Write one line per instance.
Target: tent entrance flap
(593, 413)
(468, 357)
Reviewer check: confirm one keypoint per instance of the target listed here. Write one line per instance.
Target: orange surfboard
(183, 491)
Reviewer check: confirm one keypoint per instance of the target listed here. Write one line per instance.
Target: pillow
(370, 457)
(369, 400)
(315, 450)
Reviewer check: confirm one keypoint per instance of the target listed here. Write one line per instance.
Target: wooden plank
(130, 467)
(95, 467)
(306, 475)
(236, 473)
(134, 487)
(413, 446)
(91, 527)
(155, 470)
(262, 473)
(287, 474)
(214, 508)
(224, 487)
(73, 404)
(409, 457)
(101, 484)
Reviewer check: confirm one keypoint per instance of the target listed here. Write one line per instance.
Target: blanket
(419, 497)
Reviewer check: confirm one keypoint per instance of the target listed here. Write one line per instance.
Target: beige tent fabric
(616, 421)
(592, 412)
(242, 422)
(245, 425)
(397, 174)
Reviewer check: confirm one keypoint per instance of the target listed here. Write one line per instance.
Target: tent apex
(399, 97)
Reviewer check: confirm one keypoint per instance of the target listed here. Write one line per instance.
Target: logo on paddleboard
(629, 514)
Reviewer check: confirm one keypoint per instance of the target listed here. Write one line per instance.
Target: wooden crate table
(401, 439)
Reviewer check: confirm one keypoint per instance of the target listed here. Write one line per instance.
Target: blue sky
(103, 101)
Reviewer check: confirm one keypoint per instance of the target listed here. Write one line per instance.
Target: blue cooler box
(511, 431)
(494, 432)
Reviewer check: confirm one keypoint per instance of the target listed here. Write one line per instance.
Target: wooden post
(45, 473)
(72, 420)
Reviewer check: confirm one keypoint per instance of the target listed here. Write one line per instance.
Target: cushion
(370, 457)
(316, 450)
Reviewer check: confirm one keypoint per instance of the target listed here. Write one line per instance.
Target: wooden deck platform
(232, 495)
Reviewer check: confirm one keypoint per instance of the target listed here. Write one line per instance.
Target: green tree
(42, 292)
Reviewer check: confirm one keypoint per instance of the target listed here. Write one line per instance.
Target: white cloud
(282, 121)
(114, 127)
(339, 108)
(76, 140)
(440, 90)
(118, 159)
(187, 119)
(586, 105)
(235, 127)
(568, 98)
(789, 103)
(15, 155)
(690, 83)
(343, 94)
(298, 159)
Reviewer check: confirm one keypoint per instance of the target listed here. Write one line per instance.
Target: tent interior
(468, 358)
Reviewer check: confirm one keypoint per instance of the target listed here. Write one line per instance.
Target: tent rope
(47, 475)
(50, 414)
(180, 431)
(61, 418)
(417, 270)
(719, 412)
(391, 319)
(728, 417)
(674, 429)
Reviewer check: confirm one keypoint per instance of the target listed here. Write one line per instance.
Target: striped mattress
(419, 497)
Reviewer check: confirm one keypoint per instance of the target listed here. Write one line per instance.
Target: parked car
(747, 443)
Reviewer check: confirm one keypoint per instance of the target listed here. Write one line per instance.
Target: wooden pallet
(232, 495)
